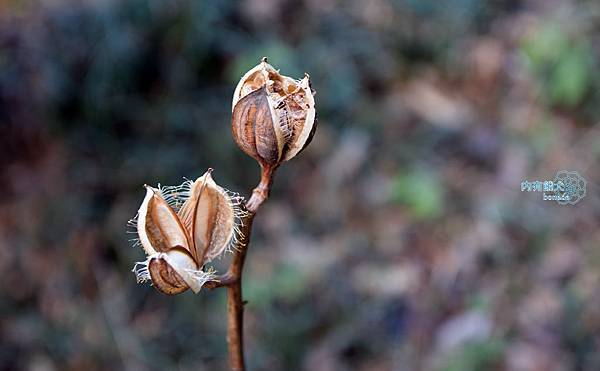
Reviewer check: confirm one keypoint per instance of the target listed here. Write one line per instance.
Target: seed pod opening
(158, 226)
(210, 216)
(182, 228)
(273, 116)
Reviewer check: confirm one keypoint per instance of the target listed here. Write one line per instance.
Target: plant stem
(233, 278)
(262, 190)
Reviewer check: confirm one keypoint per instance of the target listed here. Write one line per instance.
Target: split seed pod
(273, 115)
(182, 228)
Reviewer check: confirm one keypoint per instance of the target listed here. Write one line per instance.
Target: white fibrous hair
(240, 213)
(142, 274)
(202, 277)
(176, 195)
(132, 229)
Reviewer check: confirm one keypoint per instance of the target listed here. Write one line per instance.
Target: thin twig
(233, 278)
(220, 281)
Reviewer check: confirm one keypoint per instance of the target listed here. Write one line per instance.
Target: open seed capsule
(183, 228)
(273, 116)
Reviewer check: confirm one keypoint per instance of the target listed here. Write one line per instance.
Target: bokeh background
(399, 240)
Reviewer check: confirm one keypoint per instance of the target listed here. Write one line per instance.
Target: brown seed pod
(159, 227)
(273, 116)
(181, 229)
(164, 271)
(210, 215)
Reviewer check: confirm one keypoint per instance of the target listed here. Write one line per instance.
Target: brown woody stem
(233, 278)
(261, 192)
(221, 281)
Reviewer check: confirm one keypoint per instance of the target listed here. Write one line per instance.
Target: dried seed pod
(273, 116)
(170, 272)
(158, 226)
(210, 215)
(181, 229)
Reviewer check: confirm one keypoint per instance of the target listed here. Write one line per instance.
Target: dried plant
(183, 228)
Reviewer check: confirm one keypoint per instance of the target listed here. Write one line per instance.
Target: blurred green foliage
(421, 192)
(476, 356)
(563, 64)
(286, 283)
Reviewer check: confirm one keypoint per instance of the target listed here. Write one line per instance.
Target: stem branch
(233, 278)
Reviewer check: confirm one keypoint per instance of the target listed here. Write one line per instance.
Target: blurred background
(399, 240)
